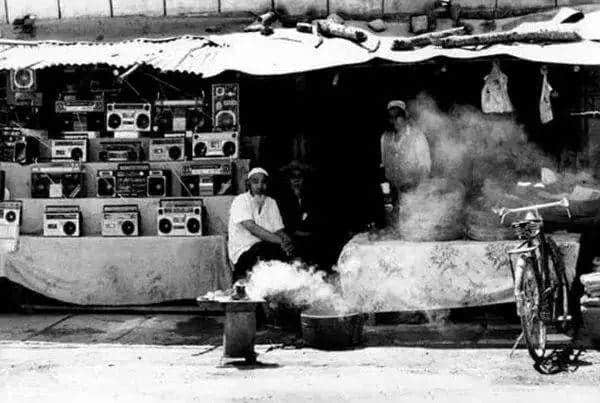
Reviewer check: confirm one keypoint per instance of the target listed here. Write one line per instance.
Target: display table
(393, 275)
(117, 271)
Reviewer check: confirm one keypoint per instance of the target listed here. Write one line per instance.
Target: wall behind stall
(12, 9)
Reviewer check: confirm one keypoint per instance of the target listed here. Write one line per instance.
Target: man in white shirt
(405, 153)
(256, 230)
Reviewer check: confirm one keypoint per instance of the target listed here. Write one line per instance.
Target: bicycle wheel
(529, 288)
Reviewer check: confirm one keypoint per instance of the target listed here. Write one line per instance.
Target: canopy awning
(286, 51)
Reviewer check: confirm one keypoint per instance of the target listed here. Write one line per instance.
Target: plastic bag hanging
(494, 95)
(546, 114)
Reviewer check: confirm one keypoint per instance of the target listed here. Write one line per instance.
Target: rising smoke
(477, 160)
(296, 285)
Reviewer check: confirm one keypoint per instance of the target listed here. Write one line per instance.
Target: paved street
(58, 357)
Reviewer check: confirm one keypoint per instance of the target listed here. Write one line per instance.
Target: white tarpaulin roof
(286, 51)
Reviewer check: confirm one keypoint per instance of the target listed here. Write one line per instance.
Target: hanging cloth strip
(545, 103)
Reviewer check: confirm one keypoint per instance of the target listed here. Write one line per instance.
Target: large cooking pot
(331, 331)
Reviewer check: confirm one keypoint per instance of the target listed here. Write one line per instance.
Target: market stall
(199, 102)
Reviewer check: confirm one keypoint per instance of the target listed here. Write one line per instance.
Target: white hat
(257, 170)
(396, 104)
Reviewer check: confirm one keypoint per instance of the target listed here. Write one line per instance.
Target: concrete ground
(177, 357)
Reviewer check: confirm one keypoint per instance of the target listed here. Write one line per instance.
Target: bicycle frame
(537, 289)
(536, 247)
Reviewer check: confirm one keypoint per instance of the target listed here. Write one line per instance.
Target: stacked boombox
(10, 219)
(22, 89)
(185, 128)
(175, 217)
(208, 177)
(133, 180)
(13, 145)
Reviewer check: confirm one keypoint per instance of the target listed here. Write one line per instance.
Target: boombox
(121, 220)
(225, 107)
(57, 180)
(128, 117)
(131, 180)
(10, 219)
(62, 221)
(121, 151)
(167, 149)
(215, 144)
(207, 178)
(13, 145)
(105, 183)
(79, 122)
(75, 149)
(159, 183)
(73, 105)
(22, 88)
(180, 116)
(179, 217)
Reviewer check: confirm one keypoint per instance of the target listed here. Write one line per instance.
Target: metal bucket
(331, 331)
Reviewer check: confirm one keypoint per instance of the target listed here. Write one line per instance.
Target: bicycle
(541, 288)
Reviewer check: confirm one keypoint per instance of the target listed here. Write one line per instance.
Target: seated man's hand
(288, 247)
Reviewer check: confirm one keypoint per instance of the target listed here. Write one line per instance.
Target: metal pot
(331, 331)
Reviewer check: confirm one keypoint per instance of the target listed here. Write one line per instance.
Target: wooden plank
(126, 309)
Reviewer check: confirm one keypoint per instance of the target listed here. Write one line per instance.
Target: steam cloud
(477, 161)
(292, 284)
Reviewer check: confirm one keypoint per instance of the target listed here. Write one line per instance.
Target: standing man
(256, 230)
(405, 158)
(405, 154)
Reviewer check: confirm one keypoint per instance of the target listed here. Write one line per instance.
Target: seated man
(256, 229)
(301, 214)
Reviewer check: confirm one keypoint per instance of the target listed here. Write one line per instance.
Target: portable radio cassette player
(159, 183)
(10, 219)
(73, 105)
(62, 221)
(57, 180)
(120, 220)
(167, 149)
(180, 116)
(75, 149)
(121, 151)
(131, 180)
(207, 178)
(215, 144)
(132, 117)
(106, 183)
(13, 145)
(79, 122)
(22, 88)
(225, 107)
(179, 217)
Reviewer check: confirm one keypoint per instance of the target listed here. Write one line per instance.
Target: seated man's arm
(262, 233)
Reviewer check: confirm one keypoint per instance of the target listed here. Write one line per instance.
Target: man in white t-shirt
(256, 230)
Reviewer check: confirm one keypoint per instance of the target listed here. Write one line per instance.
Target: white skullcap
(396, 104)
(257, 170)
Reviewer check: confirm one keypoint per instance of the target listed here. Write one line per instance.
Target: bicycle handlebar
(503, 212)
